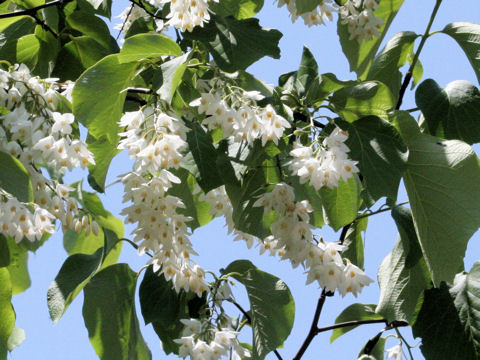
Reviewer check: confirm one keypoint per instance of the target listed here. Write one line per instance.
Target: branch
(249, 320)
(313, 327)
(30, 12)
(408, 75)
(380, 211)
(350, 323)
(373, 341)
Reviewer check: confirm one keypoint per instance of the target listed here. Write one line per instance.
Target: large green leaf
(363, 99)
(354, 242)
(403, 274)
(28, 47)
(323, 86)
(14, 178)
(110, 317)
(172, 73)
(360, 55)
(340, 204)
(103, 151)
(272, 308)
(74, 274)
(201, 147)
(11, 29)
(236, 44)
(467, 35)
(442, 184)
(380, 152)
(307, 72)
(98, 96)
(91, 25)
(441, 322)
(19, 276)
(353, 313)
(148, 46)
(453, 112)
(86, 50)
(7, 314)
(386, 65)
(240, 9)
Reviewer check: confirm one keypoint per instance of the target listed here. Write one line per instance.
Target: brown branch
(313, 328)
(350, 323)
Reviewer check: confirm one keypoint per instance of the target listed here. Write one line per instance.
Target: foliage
(208, 139)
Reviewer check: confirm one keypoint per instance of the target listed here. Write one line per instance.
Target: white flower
(395, 352)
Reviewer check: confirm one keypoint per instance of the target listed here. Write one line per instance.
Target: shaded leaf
(442, 185)
(240, 9)
(110, 317)
(14, 178)
(403, 274)
(354, 242)
(272, 307)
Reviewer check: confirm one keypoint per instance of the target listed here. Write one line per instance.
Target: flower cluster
(39, 136)
(292, 239)
(323, 164)
(154, 140)
(361, 22)
(184, 15)
(193, 344)
(239, 117)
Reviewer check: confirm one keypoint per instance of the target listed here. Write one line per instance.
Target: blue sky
(442, 60)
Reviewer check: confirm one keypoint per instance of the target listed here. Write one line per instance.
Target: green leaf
(103, 151)
(366, 98)
(354, 242)
(403, 274)
(86, 50)
(307, 72)
(378, 350)
(453, 112)
(340, 204)
(7, 314)
(28, 47)
(14, 178)
(98, 96)
(272, 307)
(4, 252)
(440, 326)
(240, 9)
(172, 73)
(110, 317)
(466, 290)
(47, 53)
(323, 86)
(304, 6)
(442, 184)
(204, 154)
(236, 44)
(102, 7)
(405, 124)
(380, 152)
(12, 29)
(353, 313)
(91, 25)
(307, 192)
(19, 276)
(386, 65)
(74, 274)
(467, 35)
(163, 307)
(360, 55)
(148, 46)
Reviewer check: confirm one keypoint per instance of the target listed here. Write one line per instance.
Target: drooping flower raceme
(323, 164)
(38, 135)
(154, 139)
(358, 15)
(237, 114)
(292, 239)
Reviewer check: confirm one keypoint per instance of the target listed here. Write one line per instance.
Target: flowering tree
(207, 139)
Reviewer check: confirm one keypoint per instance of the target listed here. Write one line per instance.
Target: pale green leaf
(7, 314)
(148, 46)
(442, 184)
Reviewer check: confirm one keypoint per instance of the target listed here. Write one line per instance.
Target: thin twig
(44, 25)
(249, 320)
(141, 5)
(380, 211)
(313, 327)
(31, 11)
(350, 323)
(124, 22)
(409, 73)
(373, 341)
